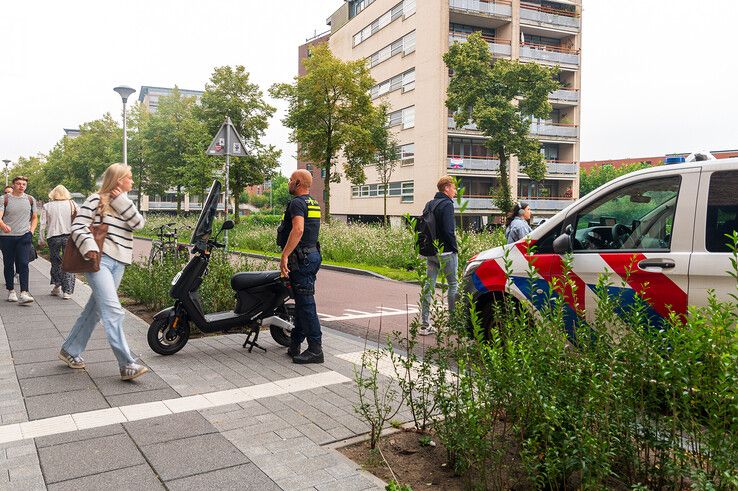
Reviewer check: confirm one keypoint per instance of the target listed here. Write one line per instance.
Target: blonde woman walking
(56, 225)
(111, 203)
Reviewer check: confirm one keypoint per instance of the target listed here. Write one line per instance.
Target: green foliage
(396, 486)
(176, 142)
(149, 284)
(378, 398)
(264, 220)
(330, 111)
(597, 176)
(230, 93)
(34, 168)
(500, 99)
(387, 155)
(280, 193)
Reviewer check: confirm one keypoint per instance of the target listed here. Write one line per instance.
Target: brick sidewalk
(212, 416)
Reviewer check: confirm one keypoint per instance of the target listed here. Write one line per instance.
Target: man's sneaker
(132, 370)
(71, 361)
(56, 291)
(427, 330)
(12, 296)
(308, 356)
(66, 296)
(25, 298)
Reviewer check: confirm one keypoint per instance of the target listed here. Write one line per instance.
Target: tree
(34, 168)
(175, 146)
(230, 93)
(280, 194)
(137, 120)
(500, 99)
(330, 111)
(597, 176)
(387, 155)
(77, 163)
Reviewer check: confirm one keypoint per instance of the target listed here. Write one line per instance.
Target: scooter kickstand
(251, 343)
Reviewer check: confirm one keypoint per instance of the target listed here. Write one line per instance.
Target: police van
(659, 234)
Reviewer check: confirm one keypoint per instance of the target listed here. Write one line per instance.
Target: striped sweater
(122, 219)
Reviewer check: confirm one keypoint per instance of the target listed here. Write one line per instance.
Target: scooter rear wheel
(166, 341)
(278, 334)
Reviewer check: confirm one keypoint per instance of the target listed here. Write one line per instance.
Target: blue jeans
(15, 259)
(103, 305)
(450, 265)
(307, 324)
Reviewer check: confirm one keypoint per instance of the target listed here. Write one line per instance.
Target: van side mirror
(562, 244)
(227, 225)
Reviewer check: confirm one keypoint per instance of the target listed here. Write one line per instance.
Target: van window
(636, 217)
(722, 210)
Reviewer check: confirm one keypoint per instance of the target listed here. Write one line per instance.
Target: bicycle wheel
(156, 255)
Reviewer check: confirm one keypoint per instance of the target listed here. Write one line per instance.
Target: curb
(331, 267)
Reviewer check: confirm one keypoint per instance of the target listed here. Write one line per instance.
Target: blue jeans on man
(15, 259)
(449, 263)
(307, 324)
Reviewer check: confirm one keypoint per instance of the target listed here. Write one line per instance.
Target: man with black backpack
(437, 226)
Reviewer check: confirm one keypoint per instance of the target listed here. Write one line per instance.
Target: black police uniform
(304, 263)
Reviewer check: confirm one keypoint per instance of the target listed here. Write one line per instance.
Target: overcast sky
(659, 76)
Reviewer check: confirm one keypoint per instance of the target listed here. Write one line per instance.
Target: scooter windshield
(204, 226)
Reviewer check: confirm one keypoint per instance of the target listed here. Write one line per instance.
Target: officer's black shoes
(308, 356)
(293, 350)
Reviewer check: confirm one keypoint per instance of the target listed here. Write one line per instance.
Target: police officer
(297, 235)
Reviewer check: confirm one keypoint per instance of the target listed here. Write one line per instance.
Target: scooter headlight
(176, 278)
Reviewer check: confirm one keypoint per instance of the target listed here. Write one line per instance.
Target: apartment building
(403, 42)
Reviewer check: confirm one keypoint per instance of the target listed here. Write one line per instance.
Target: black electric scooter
(260, 297)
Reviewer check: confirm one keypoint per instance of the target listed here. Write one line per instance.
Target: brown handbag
(73, 261)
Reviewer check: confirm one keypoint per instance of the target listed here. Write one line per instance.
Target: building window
(404, 45)
(407, 154)
(356, 7)
(406, 81)
(403, 189)
(403, 9)
(405, 117)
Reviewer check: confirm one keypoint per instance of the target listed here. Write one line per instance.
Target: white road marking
(368, 315)
(92, 419)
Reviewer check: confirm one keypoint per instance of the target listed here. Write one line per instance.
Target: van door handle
(657, 263)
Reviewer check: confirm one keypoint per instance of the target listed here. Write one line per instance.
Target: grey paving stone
(246, 476)
(73, 460)
(52, 384)
(194, 455)
(77, 401)
(79, 436)
(29, 484)
(110, 385)
(35, 356)
(36, 342)
(170, 427)
(139, 477)
(42, 369)
(142, 396)
(351, 483)
(306, 480)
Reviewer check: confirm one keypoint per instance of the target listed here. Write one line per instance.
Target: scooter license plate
(176, 278)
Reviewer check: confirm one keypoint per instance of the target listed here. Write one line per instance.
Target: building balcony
(497, 46)
(492, 8)
(555, 130)
(556, 168)
(552, 54)
(564, 95)
(549, 206)
(467, 128)
(466, 163)
(538, 15)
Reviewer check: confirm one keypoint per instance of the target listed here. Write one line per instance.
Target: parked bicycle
(167, 245)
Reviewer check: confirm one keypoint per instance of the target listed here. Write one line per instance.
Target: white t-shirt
(56, 217)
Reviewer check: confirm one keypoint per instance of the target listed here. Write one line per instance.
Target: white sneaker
(25, 298)
(12, 296)
(66, 296)
(56, 291)
(427, 331)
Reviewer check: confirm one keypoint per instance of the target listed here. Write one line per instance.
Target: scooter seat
(242, 281)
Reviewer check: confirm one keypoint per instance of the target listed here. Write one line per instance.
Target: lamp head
(125, 92)
(6, 162)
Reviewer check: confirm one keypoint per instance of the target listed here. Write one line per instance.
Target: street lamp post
(7, 165)
(124, 92)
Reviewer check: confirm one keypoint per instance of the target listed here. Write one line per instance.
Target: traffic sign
(227, 142)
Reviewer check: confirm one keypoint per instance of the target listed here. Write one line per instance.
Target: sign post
(227, 142)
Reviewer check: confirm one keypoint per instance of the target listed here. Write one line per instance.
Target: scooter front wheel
(165, 340)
